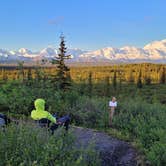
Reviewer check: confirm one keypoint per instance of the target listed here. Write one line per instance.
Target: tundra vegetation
(139, 118)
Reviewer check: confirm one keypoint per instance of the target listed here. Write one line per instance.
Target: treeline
(129, 73)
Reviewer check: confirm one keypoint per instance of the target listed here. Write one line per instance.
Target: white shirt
(113, 104)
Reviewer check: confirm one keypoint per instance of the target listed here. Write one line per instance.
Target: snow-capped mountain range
(152, 52)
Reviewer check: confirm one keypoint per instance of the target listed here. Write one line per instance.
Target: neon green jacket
(40, 112)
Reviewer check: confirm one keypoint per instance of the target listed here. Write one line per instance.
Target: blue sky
(87, 24)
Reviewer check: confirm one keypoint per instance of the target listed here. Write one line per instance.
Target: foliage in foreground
(146, 125)
(27, 145)
(140, 115)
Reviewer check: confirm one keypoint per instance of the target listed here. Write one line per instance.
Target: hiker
(45, 119)
(112, 106)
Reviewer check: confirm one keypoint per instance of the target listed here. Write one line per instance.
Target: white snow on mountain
(160, 45)
(48, 52)
(24, 51)
(155, 51)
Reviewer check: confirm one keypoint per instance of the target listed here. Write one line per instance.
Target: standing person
(112, 106)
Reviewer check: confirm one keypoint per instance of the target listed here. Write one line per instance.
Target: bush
(146, 123)
(89, 112)
(26, 145)
(157, 154)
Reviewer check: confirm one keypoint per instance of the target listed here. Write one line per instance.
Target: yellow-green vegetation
(150, 73)
(26, 144)
(141, 112)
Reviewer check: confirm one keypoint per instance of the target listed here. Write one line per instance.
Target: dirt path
(113, 152)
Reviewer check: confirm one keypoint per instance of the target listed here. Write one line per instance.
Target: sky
(86, 24)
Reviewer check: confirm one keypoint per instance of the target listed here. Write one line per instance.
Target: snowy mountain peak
(152, 52)
(48, 52)
(24, 51)
(156, 45)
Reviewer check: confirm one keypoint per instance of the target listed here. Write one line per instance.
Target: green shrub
(26, 145)
(146, 123)
(89, 112)
(140, 114)
(157, 154)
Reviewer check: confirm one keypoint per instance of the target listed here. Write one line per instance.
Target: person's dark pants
(65, 120)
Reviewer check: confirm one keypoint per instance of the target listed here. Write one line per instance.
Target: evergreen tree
(114, 82)
(139, 80)
(148, 79)
(120, 80)
(107, 87)
(29, 74)
(29, 77)
(90, 84)
(162, 76)
(21, 70)
(4, 76)
(131, 78)
(63, 72)
(38, 73)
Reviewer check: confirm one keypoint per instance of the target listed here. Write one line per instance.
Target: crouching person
(44, 118)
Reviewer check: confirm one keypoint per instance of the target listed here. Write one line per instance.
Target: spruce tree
(4, 76)
(148, 79)
(114, 82)
(21, 70)
(38, 73)
(107, 87)
(120, 80)
(29, 77)
(131, 78)
(162, 76)
(90, 84)
(139, 81)
(63, 72)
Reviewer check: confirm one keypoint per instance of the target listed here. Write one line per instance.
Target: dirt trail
(113, 152)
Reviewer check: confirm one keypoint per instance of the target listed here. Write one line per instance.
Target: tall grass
(27, 145)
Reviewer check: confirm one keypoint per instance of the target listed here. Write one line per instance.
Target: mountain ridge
(152, 52)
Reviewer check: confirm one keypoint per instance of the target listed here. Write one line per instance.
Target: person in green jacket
(45, 118)
(40, 113)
